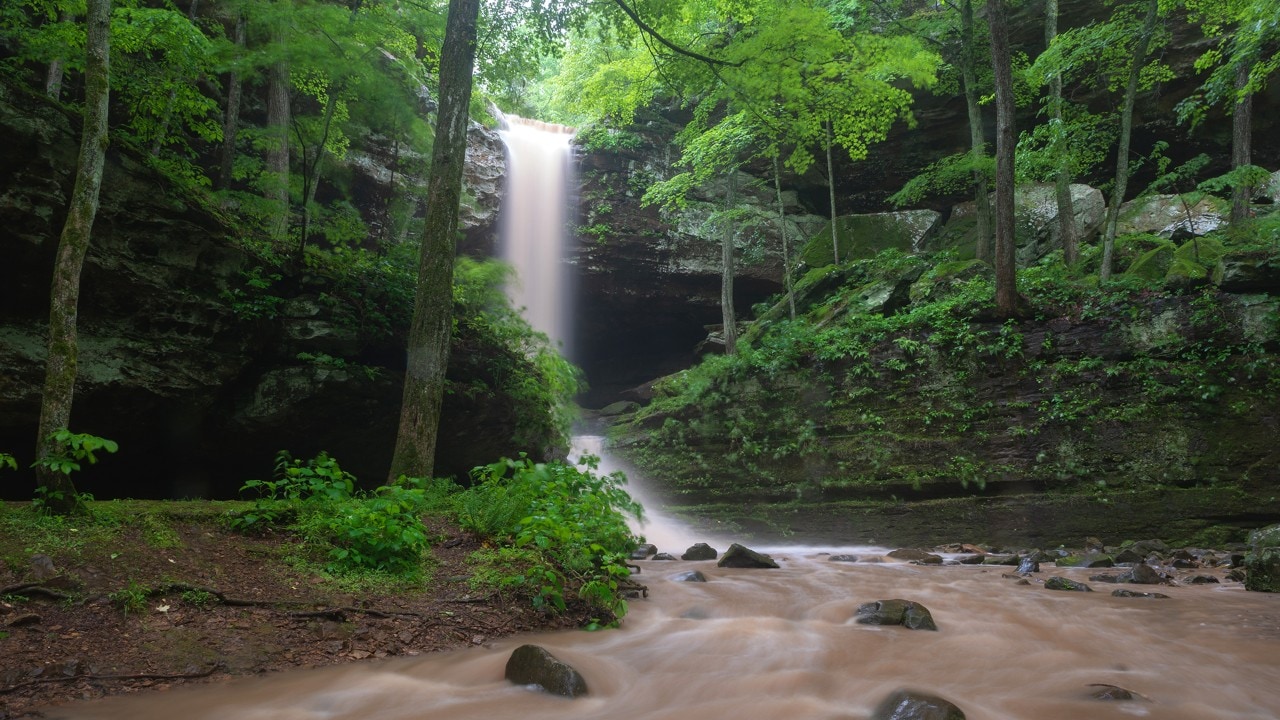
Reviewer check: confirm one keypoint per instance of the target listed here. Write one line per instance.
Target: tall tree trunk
(73, 246)
(1005, 251)
(432, 324)
(1062, 179)
(231, 118)
(782, 232)
(977, 136)
(311, 170)
(278, 153)
(1126, 131)
(726, 272)
(831, 192)
(1242, 141)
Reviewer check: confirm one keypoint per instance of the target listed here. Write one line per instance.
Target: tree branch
(650, 31)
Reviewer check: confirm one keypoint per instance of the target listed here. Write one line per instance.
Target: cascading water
(534, 217)
(764, 644)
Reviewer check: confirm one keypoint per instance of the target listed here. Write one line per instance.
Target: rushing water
(782, 643)
(534, 217)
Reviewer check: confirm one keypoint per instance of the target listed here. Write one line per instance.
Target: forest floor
(172, 597)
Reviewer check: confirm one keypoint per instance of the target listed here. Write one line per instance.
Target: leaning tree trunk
(1062, 179)
(231, 118)
(977, 136)
(1005, 251)
(782, 232)
(831, 193)
(432, 324)
(1126, 131)
(1241, 142)
(726, 273)
(73, 246)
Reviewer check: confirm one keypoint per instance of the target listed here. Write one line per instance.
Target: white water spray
(535, 214)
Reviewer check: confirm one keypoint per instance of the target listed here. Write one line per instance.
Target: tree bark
(831, 192)
(278, 111)
(1126, 131)
(1241, 141)
(1062, 179)
(1005, 251)
(782, 233)
(984, 249)
(231, 118)
(73, 246)
(726, 272)
(432, 324)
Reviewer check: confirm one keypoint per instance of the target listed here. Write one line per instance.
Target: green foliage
(68, 450)
(200, 599)
(567, 524)
(130, 599)
(8, 461)
(379, 531)
(253, 301)
(949, 175)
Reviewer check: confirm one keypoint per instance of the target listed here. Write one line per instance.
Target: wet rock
(533, 665)
(643, 551)
(1129, 555)
(914, 705)
(972, 559)
(1141, 574)
(1136, 594)
(1185, 564)
(1202, 580)
(1061, 583)
(907, 613)
(1104, 578)
(665, 556)
(1168, 216)
(962, 548)
(622, 407)
(1087, 560)
(689, 576)
(700, 551)
(1102, 691)
(1237, 575)
(1093, 545)
(914, 555)
(843, 558)
(1262, 563)
(42, 567)
(1028, 565)
(738, 556)
(1010, 560)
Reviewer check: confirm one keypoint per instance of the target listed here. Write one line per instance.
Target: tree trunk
(831, 192)
(726, 272)
(311, 171)
(231, 118)
(73, 246)
(977, 135)
(277, 184)
(1126, 130)
(1062, 180)
(57, 66)
(1005, 251)
(782, 232)
(432, 324)
(1241, 142)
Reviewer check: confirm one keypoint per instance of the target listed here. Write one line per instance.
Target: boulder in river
(1262, 563)
(700, 551)
(643, 551)
(1141, 574)
(914, 705)
(1136, 594)
(689, 576)
(533, 665)
(738, 556)
(907, 613)
(1061, 583)
(1103, 691)
(843, 558)
(1028, 565)
(917, 556)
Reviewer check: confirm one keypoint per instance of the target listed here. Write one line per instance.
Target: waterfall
(535, 225)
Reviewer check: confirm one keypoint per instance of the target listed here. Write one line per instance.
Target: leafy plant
(568, 525)
(131, 598)
(73, 448)
(201, 599)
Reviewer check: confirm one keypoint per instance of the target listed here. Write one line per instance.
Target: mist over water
(782, 643)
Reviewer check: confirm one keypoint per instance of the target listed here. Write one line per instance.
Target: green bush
(571, 521)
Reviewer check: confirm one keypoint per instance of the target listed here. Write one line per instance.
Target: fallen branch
(136, 676)
(34, 589)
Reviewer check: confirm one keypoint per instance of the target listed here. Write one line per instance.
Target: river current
(765, 644)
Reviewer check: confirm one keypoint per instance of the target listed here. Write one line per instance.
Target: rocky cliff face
(192, 356)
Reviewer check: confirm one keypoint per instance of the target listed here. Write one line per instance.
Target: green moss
(1154, 264)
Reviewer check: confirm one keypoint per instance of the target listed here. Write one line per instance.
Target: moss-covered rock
(1154, 264)
(865, 236)
(1262, 564)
